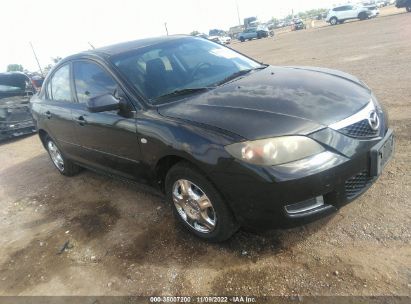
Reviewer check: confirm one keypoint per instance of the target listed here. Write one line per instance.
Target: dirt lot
(123, 239)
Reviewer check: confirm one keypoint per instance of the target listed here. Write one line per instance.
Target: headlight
(274, 151)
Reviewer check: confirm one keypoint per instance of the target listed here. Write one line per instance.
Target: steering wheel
(198, 67)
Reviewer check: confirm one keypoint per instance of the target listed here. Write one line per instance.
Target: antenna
(92, 46)
(35, 56)
(165, 25)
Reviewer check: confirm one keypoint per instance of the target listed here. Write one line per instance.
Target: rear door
(57, 109)
(108, 139)
(349, 12)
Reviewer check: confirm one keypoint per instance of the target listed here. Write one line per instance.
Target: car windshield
(180, 65)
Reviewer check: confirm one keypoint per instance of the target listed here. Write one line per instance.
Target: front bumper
(259, 196)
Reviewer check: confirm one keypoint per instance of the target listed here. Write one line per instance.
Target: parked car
(253, 33)
(15, 117)
(374, 11)
(220, 39)
(404, 3)
(37, 82)
(231, 142)
(298, 24)
(342, 13)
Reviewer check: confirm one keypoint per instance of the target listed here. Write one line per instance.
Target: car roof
(119, 48)
(14, 74)
(135, 44)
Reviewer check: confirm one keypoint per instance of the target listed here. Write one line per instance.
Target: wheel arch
(43, 135)
(167, 162)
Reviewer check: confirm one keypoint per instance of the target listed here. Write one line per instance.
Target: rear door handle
(48, 114)
(81, 120)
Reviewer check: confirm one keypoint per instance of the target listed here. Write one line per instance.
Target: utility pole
(35, 56)
(238, 12)
(165, 25)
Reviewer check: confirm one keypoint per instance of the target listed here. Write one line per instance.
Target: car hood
(275, 101)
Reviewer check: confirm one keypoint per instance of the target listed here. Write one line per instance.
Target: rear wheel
(362, 16)
(65, 166)
(198, 205)
(333, 21)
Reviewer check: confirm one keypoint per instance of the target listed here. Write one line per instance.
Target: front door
(108, 139)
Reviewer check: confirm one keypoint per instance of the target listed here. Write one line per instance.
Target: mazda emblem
(373, 120)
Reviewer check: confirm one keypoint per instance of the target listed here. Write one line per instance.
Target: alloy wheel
(55, 155)
(193, 206)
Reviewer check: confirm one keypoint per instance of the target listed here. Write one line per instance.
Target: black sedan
(231, 141)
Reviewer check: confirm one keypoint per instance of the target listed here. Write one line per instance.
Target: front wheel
(198, 205)
(242, 39)
(333, 21)
(65, 166)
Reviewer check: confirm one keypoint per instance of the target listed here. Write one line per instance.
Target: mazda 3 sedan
(231, 141)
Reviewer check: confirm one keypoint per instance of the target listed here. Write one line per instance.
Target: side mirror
(102, 103)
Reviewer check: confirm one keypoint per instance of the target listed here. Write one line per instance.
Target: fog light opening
(305, 206)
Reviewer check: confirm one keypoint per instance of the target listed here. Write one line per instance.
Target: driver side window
(91, 80)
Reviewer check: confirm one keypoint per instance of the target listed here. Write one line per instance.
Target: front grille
(356, 184)
(360, 129)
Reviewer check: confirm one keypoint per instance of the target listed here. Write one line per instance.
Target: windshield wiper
(240, 73)
(185, 91)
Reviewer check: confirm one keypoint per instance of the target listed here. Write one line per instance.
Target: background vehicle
(15, 117)
(219, 36)
(253, 33)
(374, 11)
(342, 13)
(298, 24)
(404, 3)
(37, 82)
(220, 39)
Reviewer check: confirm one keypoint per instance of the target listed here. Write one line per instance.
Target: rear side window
(59, 85)
(91, 80)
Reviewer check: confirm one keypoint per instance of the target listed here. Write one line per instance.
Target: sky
(64, 27)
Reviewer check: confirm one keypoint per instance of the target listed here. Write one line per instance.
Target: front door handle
(81, 120)
(48, 114)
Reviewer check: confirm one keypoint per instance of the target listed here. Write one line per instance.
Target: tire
(334, 21)
(63, 165)
(220, 224)
(242, 39)
(408, 8)
(362, 16)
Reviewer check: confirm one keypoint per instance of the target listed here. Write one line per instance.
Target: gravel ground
(123, 240)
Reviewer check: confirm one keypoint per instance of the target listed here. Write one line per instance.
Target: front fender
(160, 136)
